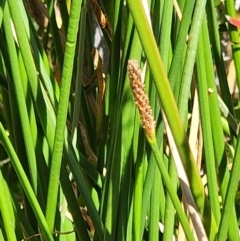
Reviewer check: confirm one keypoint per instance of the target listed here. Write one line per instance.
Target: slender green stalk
(25, 184)
(7, 210)
(19, 93)
(64, 15)
(189, 62)
(42, 62)
(56, 33)
(34, 130)
(125, 216)
(81, 184)
(122, 145)
(169, 217)
(139, 178)
(78, 89)
(234, 37)
(73, 206)
(154, 210)
(165, 34)
(147, 188)
(206, 129)
(170, 188)
(2, 4)
(217, 52)
(121, 156)
(21, 217)
(24, 46)
(158, 13)
(172, 114)
(180, 42)
(217, 129)
(62, 112)
(230, 195)
(40, 98)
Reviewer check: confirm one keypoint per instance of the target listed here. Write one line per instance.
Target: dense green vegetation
(89, 152)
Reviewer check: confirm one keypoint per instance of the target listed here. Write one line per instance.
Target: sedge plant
(87, 154)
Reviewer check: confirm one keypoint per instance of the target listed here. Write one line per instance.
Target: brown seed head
(141, 99)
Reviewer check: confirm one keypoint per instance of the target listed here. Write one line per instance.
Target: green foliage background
(75, 161)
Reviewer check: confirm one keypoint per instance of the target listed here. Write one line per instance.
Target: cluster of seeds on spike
(141, 99)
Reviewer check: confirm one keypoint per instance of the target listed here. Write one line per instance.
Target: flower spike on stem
(148, 123)
(141, 99)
